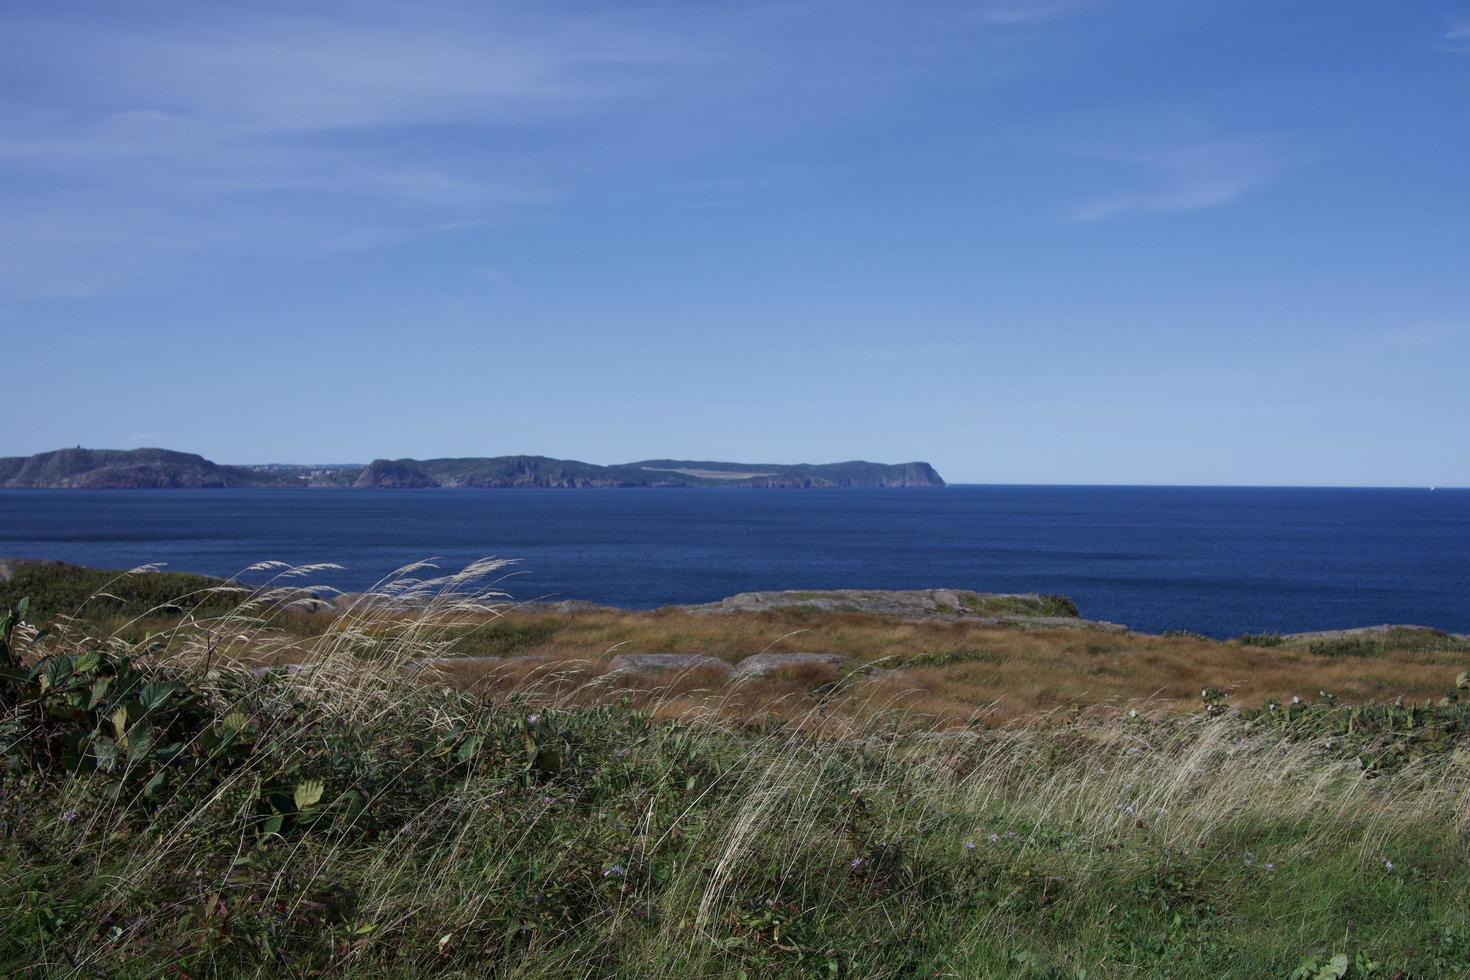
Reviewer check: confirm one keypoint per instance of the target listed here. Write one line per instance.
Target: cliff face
(111, 469)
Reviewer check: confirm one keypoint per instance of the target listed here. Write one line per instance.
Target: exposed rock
(1013, 610)
(1384, 631)
(389, 474)
(651, 662)
(270, 669)
(765, 664)
(1052, 623)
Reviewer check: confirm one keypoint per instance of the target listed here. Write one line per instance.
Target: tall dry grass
(842, 828)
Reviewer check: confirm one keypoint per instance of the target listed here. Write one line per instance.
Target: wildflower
(532, 719)
(70, 816)
(969, 845)
(1387, 864)
(1270, 867)
(856, 863)
(1250, 859)
(616, 869)
(620, 753)
(993, 838)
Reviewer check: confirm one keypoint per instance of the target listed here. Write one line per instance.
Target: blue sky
(1179, 241)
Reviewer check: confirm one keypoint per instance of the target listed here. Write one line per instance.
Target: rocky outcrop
(665, 662)
(766, 664)
(1387, 631)
(1014, 610)
(388, 474)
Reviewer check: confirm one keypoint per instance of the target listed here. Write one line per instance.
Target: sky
(1029, 241)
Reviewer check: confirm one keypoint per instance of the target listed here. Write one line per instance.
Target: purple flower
(969, 845)
(856, 863)
(70, 816)
(1387, 864)
(532, 719)
(616, 869)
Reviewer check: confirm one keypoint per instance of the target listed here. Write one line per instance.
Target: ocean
(1219, 561)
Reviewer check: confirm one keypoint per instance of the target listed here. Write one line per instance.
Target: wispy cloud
(144, 144)
(1191, 177)
(136, 146)
(1457, 36)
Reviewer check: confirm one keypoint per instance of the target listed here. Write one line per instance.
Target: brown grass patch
(943, 673)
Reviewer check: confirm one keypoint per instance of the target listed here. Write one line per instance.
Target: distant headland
(163, 469)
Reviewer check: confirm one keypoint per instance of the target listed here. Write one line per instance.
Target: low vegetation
(166, 810)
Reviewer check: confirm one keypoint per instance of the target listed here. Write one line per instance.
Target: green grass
(56, 589)
(175, 818)
(1374, 644)
(1000, 605)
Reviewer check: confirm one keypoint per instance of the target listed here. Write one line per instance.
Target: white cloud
(1457, 36)
(1192, 177)
(136, 147)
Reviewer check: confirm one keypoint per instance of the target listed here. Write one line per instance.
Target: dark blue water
(1217, 560)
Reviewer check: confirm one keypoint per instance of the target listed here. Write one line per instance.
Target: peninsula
(116, 469)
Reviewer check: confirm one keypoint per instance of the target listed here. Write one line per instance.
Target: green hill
(119, 469)
(542, 471)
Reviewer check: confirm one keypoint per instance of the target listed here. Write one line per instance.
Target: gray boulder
(662, 662)
(766, 664)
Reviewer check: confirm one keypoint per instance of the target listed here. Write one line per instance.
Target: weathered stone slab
(766, 664)
(661, 662)
(435, 663)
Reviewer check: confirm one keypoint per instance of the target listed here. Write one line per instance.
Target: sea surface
(1219, 561)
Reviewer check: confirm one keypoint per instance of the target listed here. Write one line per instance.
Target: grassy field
(167, 811)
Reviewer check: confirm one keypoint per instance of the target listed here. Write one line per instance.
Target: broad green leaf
(154, 694)
(119, 719)
(308, 793)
